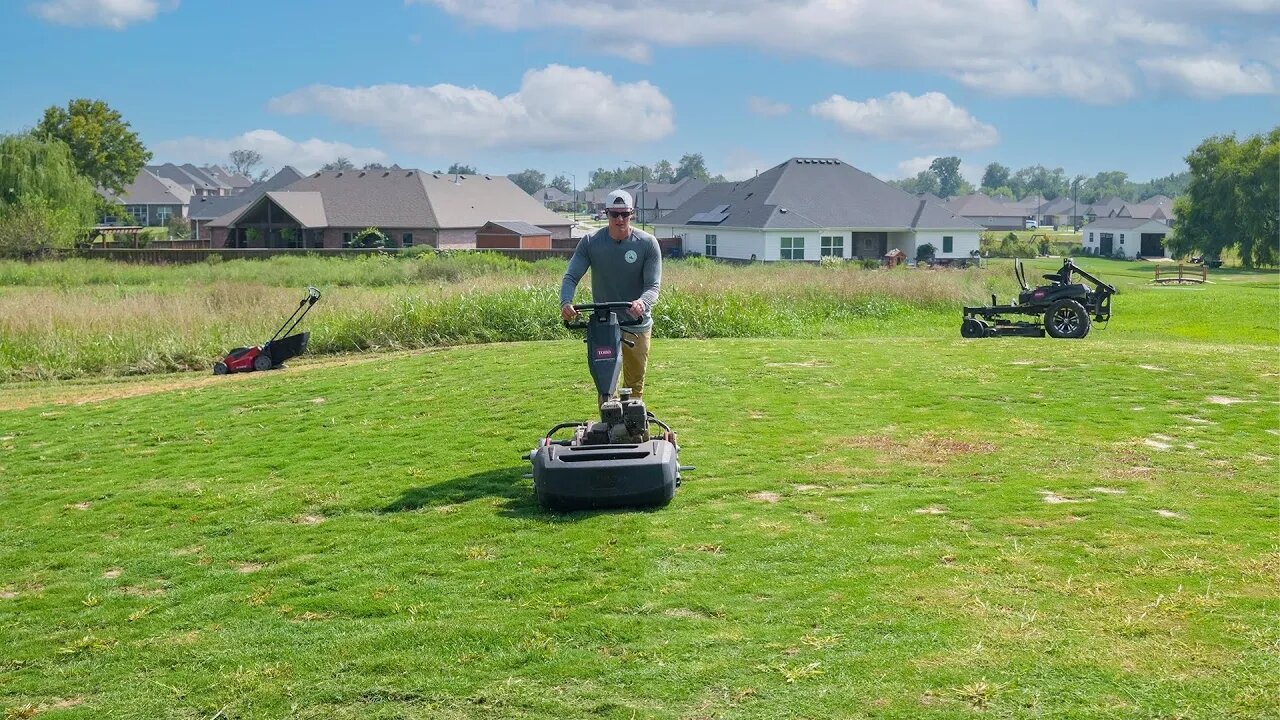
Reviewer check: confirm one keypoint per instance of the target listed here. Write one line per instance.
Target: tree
(103, 147)
(459, 169)
(602, 179)
(529, 180)
(663, 172)
(44, 201)
(374, 166)
(995, 176)
(694, 166)
(244, 161)
(1106, 185)
(1039, 180)
(1231, 200)
(339, 163)
(561, 183)
(925, 181)
(948, 171)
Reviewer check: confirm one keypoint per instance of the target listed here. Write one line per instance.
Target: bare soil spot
(308, 519)
(245, 568)
(79, 506)
(924, 449)
(1169, 514)
(1055, 499)
(809, 488)
(1109, 491)
(1220, 400)
(765, 496)
(7, 594)
(112, 573)
(685, 613)
(806, 364)
(931, 510)
(1153, 368)
(141, 591)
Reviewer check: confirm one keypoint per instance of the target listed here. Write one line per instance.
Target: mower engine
(622, 420)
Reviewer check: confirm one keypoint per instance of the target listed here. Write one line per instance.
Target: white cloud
(1210, 77)
(930, 119)
(765, 106)
(557, 108)
(911, 167)
(115, 14)
(276, 149)
(1091, 50)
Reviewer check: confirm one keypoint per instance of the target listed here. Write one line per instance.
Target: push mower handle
(603, 307)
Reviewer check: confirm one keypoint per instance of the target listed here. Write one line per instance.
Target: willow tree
(1233, 199)
(44, 201)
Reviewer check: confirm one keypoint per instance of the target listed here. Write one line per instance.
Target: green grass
(910, 527)
(85, 319)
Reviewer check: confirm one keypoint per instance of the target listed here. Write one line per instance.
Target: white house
(1131, 236)
(810, 208)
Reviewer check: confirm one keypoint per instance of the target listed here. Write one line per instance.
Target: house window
(139, 213)
(1090, 237)
(1121, 238)
(946, 243)
(792, 248)
(406, 240)
(346, 239)
(711, 246)
(832, 246)
(162, 214)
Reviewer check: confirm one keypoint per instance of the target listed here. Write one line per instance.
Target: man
(626, 266)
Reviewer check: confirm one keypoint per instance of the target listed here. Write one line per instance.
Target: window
(946, 243)
(406, 240)
(139, 213)
(162, 214)
(792, 248)
(1090, 237)
(346, 239)
(711, 246)
(1121, 238)
(832, 246)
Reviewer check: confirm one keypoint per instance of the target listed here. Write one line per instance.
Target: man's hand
(637, 308)
(567, 312)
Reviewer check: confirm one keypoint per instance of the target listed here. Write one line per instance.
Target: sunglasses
(619, 214)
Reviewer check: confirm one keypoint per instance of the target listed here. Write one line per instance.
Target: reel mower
(1064, 306)
(275, 351)
(626, 459)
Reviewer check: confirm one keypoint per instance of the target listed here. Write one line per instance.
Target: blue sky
(567, 86)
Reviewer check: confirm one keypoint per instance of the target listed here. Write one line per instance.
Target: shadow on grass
(508, 486)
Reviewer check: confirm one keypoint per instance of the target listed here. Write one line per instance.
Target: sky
(569, 86)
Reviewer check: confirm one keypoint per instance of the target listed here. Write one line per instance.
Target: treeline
(944, 180)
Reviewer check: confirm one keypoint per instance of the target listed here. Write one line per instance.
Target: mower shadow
(513, 493)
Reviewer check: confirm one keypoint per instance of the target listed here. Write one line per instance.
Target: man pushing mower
(626, 266)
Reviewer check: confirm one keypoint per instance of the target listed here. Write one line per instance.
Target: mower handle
(603, 307)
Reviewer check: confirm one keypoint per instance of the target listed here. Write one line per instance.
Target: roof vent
(386, 173)
(486, 177)
(409, 174)
(361, 173)
(434, 176)
(339, 174)
(782, 210)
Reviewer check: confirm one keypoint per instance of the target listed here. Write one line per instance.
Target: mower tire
(263, 361)
(1066, 318)
(219, 368)
(973, 328)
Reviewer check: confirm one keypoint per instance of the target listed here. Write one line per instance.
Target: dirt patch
(1220, 400)
(79, 506)
(765, 496)
(1168, 514)
(925, 449)
(309, 519)
(1055, 499)
(112, 573)
(931, 510)
(246, 568)
(805, 364)
(1108, 491)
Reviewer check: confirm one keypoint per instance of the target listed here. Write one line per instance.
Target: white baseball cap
(619, 200)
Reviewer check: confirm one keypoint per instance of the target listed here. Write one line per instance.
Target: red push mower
(275, 351)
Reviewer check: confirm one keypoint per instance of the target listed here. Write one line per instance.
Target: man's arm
(578, 265)
(652, 277)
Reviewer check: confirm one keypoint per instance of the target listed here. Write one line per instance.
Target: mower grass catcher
(1065, 307)
(617, 461)
(275, 351)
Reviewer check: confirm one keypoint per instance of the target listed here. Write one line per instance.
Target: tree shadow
(513, 492)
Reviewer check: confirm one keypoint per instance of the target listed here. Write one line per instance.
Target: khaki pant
(634, 361)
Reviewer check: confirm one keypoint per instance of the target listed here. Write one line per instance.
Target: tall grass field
(886, 520)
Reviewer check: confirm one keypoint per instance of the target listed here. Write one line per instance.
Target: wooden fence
(1182, 274)
(164, 256)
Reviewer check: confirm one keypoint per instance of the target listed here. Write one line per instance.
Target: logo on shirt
(630, 256)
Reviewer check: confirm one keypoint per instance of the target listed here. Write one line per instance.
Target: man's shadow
(508, 485)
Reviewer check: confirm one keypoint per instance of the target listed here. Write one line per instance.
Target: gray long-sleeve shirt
(621, 270)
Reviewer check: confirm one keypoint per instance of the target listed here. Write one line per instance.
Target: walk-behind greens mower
(1064, 305)
(275, 351)
(622, 460)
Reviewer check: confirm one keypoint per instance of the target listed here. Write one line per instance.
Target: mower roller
(1061, 308)
(275, 351)
(620, 460)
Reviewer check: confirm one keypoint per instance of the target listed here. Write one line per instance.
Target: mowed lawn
(918, 527)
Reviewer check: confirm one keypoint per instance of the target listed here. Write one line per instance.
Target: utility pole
(575, 193)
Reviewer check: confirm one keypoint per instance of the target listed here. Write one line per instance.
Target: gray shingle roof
(147, 189)
(305, 207)
(816, 193)
(1120, 223)
(210, 208)
(520, 228)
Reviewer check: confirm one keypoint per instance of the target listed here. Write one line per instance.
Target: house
(1145, 212)
(206, 209)
(191, 178)
(1132, 237)
(552, 197)
(511, 234)
(149, 201)
(237, 182)
(410, 207)
(810, 208)
(656, 200)
(990, 213)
